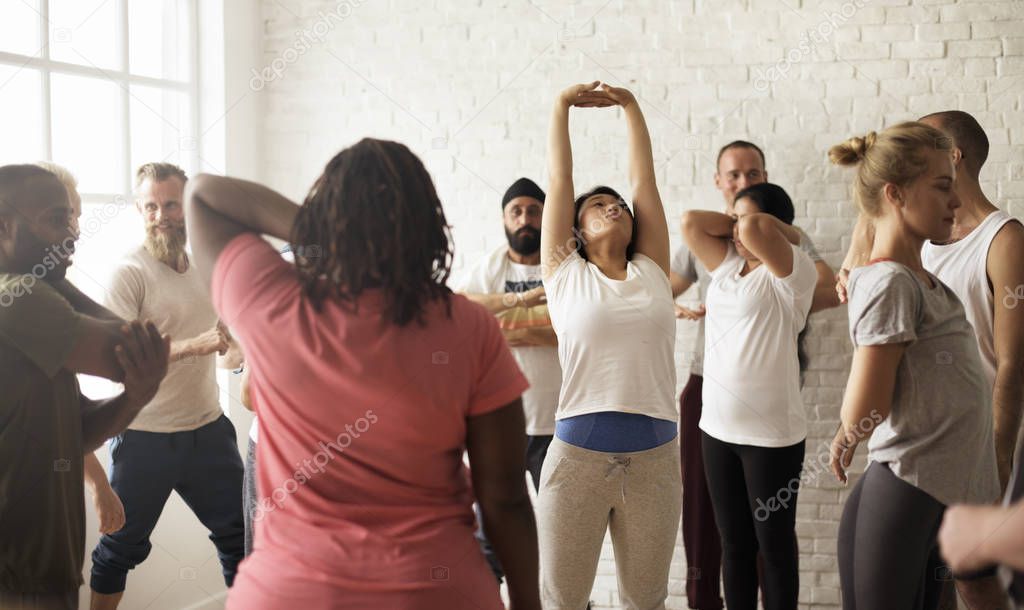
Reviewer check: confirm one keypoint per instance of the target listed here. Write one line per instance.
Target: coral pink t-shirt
(364, 499)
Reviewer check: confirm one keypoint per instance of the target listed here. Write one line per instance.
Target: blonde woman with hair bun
(916, 388)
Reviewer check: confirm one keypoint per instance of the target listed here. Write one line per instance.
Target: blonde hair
(63, 174)
(897, 155)
(158, 172)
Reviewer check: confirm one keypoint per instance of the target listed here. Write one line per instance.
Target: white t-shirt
(963, 266)
(254, 430)
(496, 274)
(751, 388)
(686, 265)
(179, 305)
(615, 339)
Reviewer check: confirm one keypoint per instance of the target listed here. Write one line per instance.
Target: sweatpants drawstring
(618, 463)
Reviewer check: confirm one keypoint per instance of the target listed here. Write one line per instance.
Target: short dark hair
(967, 135)
(13, 180)
(770, 199)
(373, 220)
(578, 207)
(739, 144)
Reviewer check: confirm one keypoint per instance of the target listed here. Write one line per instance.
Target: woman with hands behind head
(753, 426)
(614, 463)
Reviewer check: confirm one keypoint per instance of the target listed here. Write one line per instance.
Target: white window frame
(123, 79)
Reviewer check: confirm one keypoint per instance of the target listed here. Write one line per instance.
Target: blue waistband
(615, 432)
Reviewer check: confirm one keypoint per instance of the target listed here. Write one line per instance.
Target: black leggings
(753, 494)
(888, 547)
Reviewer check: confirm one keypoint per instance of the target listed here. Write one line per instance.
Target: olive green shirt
(42, 506)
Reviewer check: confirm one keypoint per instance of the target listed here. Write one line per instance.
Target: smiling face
(160, 203)
(928, 203)
(605, 217)
(738, 168)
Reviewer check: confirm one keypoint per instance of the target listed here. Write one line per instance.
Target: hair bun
(853, 150)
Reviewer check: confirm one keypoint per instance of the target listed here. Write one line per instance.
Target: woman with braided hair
(370, 379)
(916, 386)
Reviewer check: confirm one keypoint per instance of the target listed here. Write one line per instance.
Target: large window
(100, 87)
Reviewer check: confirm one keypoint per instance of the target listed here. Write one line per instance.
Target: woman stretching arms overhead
(614, 463)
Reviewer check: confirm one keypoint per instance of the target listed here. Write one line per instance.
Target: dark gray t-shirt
(938, 436)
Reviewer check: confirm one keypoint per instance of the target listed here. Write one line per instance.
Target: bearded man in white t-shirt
(508, 283)
(181, 440)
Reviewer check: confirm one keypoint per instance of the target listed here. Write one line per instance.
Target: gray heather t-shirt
(685, 265)
(938, 436)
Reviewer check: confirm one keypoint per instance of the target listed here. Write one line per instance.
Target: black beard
(524, 242)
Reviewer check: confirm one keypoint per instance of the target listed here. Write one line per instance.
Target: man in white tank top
(981, 264)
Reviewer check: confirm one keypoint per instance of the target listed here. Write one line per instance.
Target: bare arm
(1006, 274)
(708, 234)
(652, 227)
(825, 296)
(95, 476)
(542, 336)
(109, 509)
(143, 357)
(557, 220)
(218, 209)
(770, 240)
(861, 242)
(679, 284)
(867, 401)
(973, 537)
(497, 449)
(499, 302)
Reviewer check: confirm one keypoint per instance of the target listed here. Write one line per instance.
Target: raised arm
(770, 240)
(867, 401)
(557, 218)
(652, 226)
(708, 234)
(218, 209)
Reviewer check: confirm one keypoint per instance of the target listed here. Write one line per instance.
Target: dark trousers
(536, 450)
(754, 495)
(888, 545)
(202, 465)
(700, 532)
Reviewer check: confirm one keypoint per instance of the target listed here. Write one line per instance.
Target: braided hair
(373, 220)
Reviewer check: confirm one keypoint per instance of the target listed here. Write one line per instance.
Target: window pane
(87, 131)
(158, 38)
(160, 127)
(85, 32)
(109, 230)
(21, 121)
(19, 28)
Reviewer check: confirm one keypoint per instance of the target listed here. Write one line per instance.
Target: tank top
(963, 266)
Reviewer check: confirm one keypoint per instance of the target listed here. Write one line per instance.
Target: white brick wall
(468, 86)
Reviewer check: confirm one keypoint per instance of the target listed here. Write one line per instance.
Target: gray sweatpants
(583, 494)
